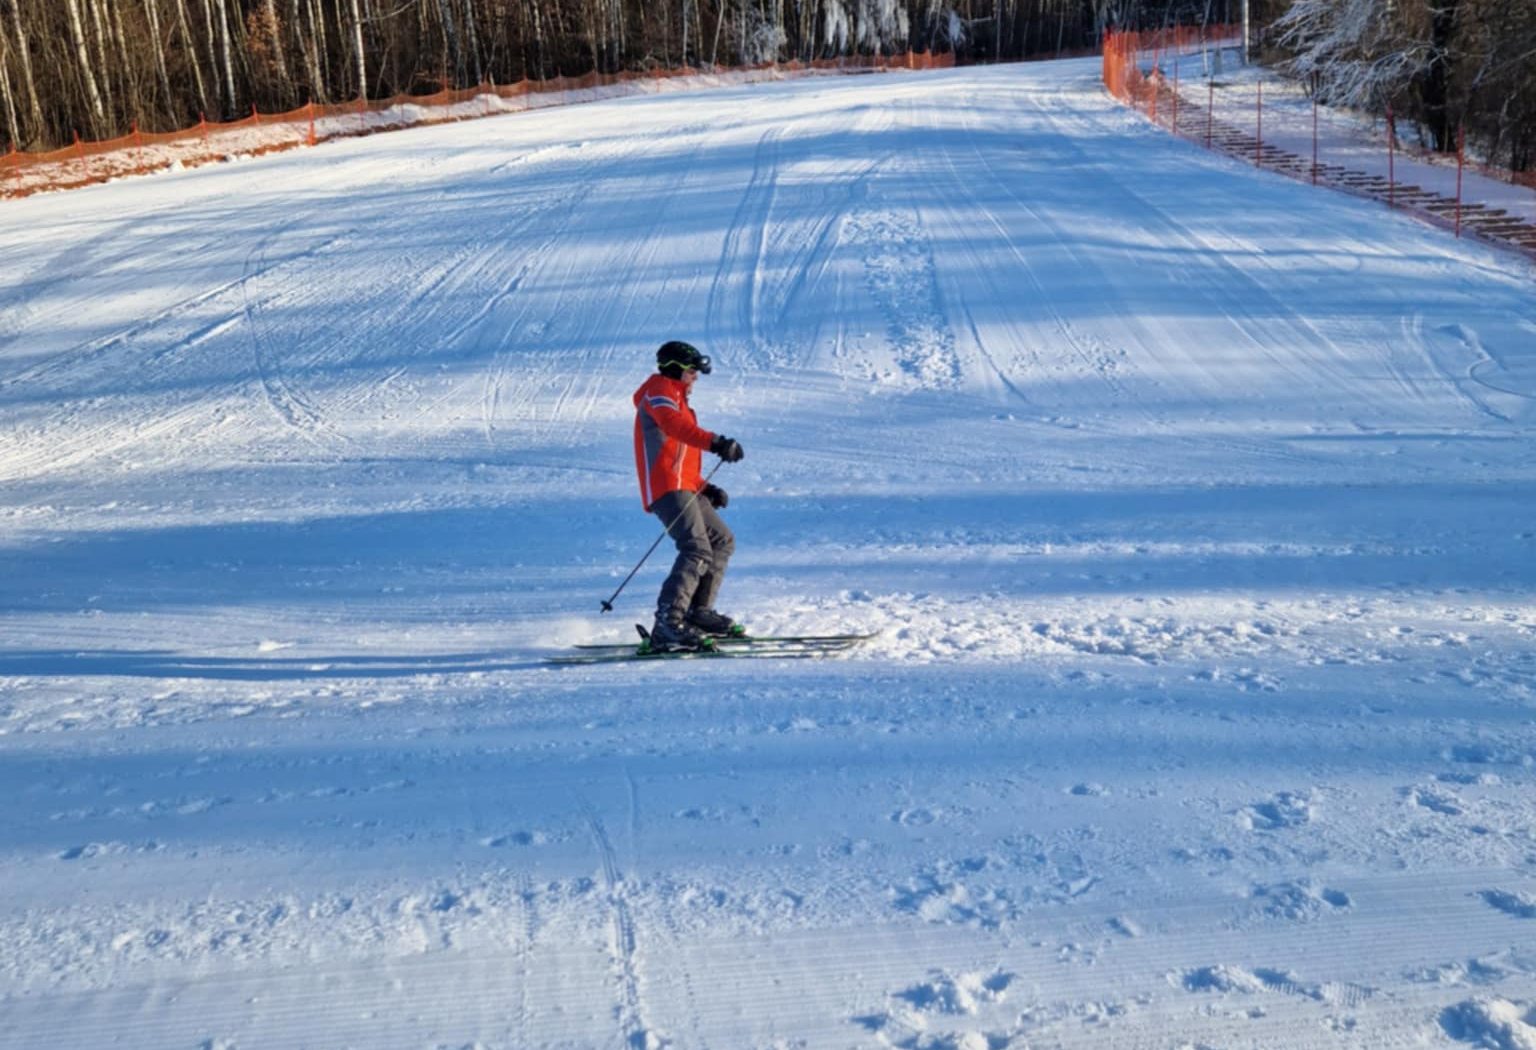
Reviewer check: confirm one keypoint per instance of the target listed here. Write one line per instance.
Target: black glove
(728, 449)
(716, 495)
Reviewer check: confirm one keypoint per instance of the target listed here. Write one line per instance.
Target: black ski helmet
(674, 356)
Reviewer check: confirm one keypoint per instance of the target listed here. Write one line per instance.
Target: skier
(668, 448)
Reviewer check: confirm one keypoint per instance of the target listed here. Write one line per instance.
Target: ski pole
(608, 605)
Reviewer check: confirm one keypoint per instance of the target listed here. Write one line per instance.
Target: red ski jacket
(669, 443)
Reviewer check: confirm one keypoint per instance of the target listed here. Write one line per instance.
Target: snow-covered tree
(1443, 64)
(1352, 52)
(762, 40)
(882, 26)
(877, 26)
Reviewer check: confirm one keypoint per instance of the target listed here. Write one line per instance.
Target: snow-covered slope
(1192, 505)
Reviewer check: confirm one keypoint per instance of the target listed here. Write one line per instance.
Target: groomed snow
(1193, 506)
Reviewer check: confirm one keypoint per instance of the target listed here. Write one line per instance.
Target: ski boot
(715, 625)
(675, 635)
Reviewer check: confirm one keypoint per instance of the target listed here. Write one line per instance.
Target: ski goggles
(696, 363)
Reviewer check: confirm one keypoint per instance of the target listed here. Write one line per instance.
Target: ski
(782, 646)
(635, 653)
(747, 640)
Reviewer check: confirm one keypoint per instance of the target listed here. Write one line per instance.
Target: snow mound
(958, 994)
(1516, 903)
(1497, 1024)
(1219, 978)
(949, 1011)
(1287, 809)
(1300, 900)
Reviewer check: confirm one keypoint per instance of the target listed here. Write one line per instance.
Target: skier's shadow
(158, 663)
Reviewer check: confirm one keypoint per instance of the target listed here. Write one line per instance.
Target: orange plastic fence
(86, 163)
(1125, 53)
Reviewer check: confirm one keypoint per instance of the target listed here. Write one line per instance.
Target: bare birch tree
(226, 54)
(210, 41)
(104, 65)
(360, 54)
(189, 44)
(320, 49)
(98, 111)
(159, 44)
(28, 81)
(473, 40)
(272, 30)
(12, 124)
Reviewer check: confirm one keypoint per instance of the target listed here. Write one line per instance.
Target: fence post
(85, 172)
(1461, 155)
(138, 147)
(1175, 95)
(1210, 109)
(1258, 140)
(1391, 158)
(14, 159)
(311, 107)
(1314, 140)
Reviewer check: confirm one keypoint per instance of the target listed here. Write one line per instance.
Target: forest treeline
(98, 68)
(1442, 67)
(101, 67)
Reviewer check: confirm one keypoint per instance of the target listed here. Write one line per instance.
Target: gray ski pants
(704, 545)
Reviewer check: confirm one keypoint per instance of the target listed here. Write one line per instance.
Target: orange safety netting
(1123, 51)
(1125, 54)
(85, 163)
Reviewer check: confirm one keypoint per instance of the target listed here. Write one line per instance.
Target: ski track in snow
(1189, 508)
